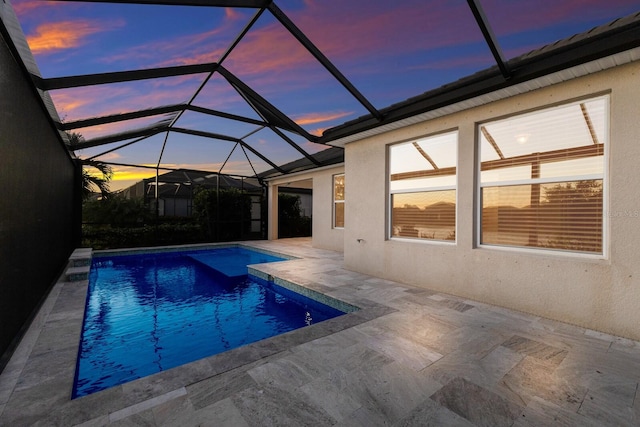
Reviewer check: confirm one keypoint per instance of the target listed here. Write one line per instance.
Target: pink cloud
(102, 100)
(219, 95)
(270, 59)
(57, 36)
(183, 50)
(196, 48)
(118, 127)
(313, 118)
(30, 8)
(348, 30)
(324, 117)
(269, 49)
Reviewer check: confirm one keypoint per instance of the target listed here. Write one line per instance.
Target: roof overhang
(292, 176)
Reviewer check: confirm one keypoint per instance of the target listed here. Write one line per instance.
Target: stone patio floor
(409, 357)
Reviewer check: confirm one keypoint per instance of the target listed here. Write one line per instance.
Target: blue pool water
(150, 312)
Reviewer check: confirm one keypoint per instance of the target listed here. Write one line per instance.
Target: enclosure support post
(156, 195)
(272, 212)
(77, 204)
(218, 207)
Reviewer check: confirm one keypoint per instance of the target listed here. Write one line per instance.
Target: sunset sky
(389, 50)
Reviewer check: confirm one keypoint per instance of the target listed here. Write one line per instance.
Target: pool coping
(63, 310)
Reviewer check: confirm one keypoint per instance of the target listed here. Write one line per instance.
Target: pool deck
(409, 357)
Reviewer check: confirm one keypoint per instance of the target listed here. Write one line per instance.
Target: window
(338, 201)
(542, 178)
(422, 188)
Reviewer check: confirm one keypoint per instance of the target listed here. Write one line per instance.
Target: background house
(176, 190)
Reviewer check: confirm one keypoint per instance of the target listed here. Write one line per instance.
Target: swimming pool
(146, 313)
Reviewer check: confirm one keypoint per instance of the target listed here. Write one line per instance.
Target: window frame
(605, 242)
(390, 192)
(335, 201)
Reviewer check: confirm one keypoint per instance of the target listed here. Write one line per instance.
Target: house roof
(328, 157)
(288, 72)
(182, 183)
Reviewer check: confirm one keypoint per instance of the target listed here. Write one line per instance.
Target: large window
(338, 201)
(422, 188)
(542, 178)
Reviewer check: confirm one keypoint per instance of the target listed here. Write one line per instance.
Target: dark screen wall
(36, 202)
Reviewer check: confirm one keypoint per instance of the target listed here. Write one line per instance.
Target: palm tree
(91, 181)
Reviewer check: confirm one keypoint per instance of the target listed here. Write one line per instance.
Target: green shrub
(116, 211)
(223, 215)
(107, 237)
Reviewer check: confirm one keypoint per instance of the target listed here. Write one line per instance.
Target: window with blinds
(542, 178)
(422, 188)
(338, 201)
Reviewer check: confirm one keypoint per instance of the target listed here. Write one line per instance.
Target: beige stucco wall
(601, 294)
(324, 236)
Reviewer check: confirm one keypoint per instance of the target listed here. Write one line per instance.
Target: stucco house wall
(324, 235)
(601, 294)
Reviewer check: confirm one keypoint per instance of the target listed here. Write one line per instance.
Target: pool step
(79, 265)
(77, 274)
(80, 257)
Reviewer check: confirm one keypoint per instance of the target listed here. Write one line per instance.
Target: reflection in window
(542, 178)
(422, 188)
(338, 201)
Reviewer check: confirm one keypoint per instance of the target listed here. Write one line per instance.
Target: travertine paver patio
(409, 357)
